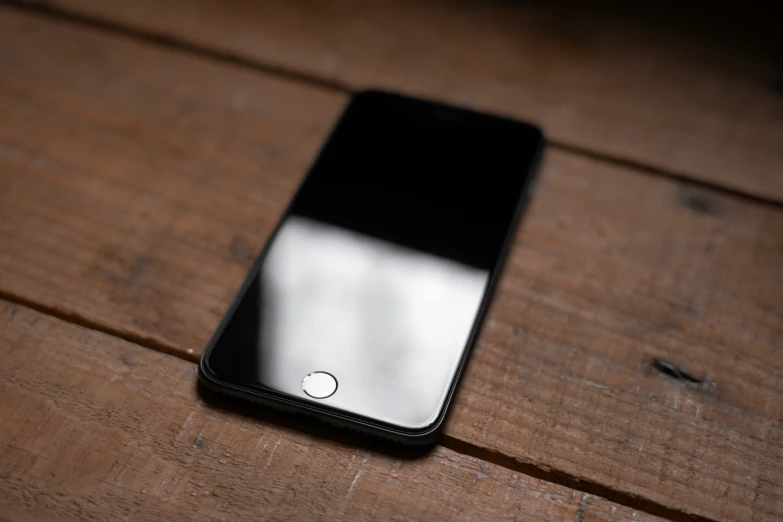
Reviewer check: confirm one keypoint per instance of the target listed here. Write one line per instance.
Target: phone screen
(377, 273)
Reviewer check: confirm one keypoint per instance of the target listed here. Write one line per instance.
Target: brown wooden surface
(136, 205)
(104, 140)
(145, 446)
(676, 88)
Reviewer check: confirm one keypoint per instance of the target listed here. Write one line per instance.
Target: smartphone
(363, 306)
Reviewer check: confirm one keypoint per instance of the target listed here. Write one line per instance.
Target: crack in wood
(587, 488)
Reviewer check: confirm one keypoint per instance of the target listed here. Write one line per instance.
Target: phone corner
(429, 438)
(429, 434)
(536, 133)
(205, 374)
(539, 134)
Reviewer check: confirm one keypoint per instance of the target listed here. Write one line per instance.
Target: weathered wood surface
(94, 427)
(136, 205)
(685, 89)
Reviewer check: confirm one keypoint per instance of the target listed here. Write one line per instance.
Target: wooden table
(631, 366)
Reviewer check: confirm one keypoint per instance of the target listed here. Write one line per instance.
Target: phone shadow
(301, 424)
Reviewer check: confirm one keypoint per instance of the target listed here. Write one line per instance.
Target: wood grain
(93, 427)
(677, 88)
(136, 205)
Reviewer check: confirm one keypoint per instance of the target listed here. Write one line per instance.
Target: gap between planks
(161, 40)
(458, 446)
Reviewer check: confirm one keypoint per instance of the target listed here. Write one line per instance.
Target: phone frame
(288, 403)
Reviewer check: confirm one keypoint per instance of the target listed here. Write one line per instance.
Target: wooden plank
(93, 427)
(680, 89)
(121, 211)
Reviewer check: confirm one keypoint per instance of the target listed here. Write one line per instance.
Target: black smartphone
(363, 306)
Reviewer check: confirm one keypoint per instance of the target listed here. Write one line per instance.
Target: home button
(319, 385)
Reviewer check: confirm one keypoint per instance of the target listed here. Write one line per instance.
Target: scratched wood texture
(94, 427)
(682, 88)
(135, 205)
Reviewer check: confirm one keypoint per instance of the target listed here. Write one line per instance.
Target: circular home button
(319, 385)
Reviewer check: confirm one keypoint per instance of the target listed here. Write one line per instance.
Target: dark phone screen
(378, 271)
